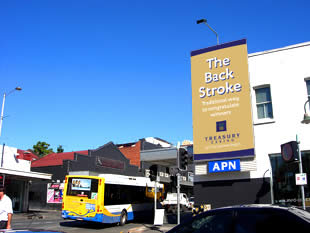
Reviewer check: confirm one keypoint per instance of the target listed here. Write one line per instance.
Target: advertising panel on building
(54, 192)
(222, 115)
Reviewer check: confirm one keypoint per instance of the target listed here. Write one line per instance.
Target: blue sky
(98, 71)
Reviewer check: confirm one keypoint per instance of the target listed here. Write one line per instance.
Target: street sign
(301, 178)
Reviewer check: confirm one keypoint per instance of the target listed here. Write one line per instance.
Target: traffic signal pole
(301, 171)
(155, 196)
(178, 182)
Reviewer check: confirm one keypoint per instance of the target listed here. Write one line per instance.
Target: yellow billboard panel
(222, 115)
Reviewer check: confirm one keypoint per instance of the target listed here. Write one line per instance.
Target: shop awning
(26, 174)
(163, 156)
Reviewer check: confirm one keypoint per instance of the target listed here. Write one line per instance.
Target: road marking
(137, 229)
(32, 223)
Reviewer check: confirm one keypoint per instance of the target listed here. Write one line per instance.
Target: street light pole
(205, 22)
(3, 102)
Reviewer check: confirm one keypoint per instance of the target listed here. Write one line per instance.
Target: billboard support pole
(205, 21)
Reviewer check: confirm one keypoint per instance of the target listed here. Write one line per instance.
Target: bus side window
(108, 194)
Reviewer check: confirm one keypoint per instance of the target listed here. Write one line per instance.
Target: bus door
(82, 197)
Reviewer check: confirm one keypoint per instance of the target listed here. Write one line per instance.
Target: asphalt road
(52, 220)
(71, 226)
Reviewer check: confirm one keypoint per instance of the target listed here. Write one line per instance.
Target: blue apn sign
(224, 166)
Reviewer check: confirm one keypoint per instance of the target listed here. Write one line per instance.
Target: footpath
(38, 214)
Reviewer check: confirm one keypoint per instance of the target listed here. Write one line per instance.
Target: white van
(170, 203)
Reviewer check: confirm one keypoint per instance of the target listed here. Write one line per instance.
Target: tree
(60, 149)
(42, 148)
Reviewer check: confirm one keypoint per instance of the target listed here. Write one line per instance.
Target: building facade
(17, 177)
(121, 159)
(132, 150)
(280, 86)
(106, 159)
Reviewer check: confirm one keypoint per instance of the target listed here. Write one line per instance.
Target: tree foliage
(42, 148)
(60, 149)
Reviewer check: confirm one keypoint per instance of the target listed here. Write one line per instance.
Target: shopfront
(16, 190)
(285, 190)
(17, 184)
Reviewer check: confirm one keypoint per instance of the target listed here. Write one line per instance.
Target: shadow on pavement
(85, 224)
(37, 214)
(153, 228)
(173, 218)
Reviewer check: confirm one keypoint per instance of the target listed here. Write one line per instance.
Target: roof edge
(280, 49)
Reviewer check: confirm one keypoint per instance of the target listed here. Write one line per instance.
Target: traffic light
(289, 152)
(183, 159)
(153, 172)
(1, 179)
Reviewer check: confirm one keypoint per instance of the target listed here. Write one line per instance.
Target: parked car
(248, 219)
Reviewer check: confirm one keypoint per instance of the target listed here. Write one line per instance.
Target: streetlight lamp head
(201, 21)
(18, 88)
(306, 119)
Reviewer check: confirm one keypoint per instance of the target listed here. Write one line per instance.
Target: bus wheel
(123, 218)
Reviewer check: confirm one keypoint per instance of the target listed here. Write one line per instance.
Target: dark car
(248, 219)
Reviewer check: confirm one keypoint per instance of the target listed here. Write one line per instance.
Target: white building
(16, 177)
(280, 86)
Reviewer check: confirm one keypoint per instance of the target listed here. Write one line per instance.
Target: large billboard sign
(222, 115)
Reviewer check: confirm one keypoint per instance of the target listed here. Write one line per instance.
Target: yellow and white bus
(107, 198)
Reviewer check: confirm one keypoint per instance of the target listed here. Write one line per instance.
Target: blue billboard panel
(224, 166)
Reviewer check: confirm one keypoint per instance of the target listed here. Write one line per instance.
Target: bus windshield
(82, 187)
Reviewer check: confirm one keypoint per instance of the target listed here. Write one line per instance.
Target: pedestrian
(6, 210)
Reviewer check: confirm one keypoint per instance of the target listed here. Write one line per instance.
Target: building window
(263, 103)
